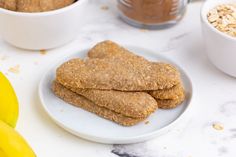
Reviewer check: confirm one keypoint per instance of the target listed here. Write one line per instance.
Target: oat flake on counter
(15, 69)
(104, 7)
(3, 58)
(218, 126)
(43, 52)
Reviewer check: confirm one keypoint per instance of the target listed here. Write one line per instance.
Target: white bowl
(43, 30)
(220, 47)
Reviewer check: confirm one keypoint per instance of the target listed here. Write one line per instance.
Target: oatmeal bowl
(40, 24)
(218, 18)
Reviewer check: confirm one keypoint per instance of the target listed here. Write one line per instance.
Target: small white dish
(220, 47)
(44, 30)
(91, 127)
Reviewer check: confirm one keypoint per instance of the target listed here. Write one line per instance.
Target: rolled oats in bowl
(223, 18)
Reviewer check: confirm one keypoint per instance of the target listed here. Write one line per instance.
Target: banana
(2, 154)
(12, 144)
(8, 102)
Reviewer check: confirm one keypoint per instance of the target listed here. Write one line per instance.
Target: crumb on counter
(2, 58)
(15, 69)
(43, 52)
(104, 7)
(218, 126)
(147, 122)
(144, 30)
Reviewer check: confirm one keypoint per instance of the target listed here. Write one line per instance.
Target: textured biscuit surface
(170, 93)
(131, 104)
(117, 74)
(169, 98)
(80, 101)
(108, 49)
(8, 4)
(170, 103)
(41, 5)
(34, 5)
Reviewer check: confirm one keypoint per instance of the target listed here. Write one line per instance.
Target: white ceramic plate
(91, 127)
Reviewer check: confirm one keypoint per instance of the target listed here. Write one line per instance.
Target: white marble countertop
(214, 92)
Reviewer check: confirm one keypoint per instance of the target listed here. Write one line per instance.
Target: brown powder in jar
(150, 11)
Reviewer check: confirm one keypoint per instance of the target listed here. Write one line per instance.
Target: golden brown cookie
(131, 104)
(171, 97)
(170, 103)
(109, 49)
(80, 101)
(41, 5)
(8, 4)
(117, 74)
(170, 93)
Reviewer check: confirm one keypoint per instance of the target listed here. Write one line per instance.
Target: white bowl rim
(46, 13)
(204, 19)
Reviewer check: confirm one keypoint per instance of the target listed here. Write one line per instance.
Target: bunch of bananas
(11, 143)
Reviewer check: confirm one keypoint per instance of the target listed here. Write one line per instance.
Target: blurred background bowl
(44, 30)
(220, 47)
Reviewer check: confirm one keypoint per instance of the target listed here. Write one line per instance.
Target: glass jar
(152, 14)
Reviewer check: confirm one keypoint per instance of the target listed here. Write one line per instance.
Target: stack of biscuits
(118, 85)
